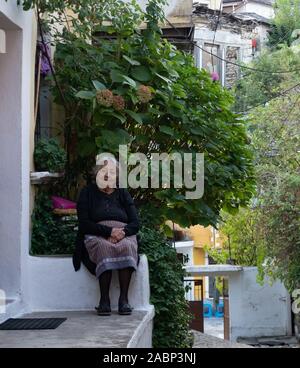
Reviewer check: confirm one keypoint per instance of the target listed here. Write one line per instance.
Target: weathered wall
(232, 70)
(174, 8)
(257, 310)
(234, 37)
(261, 9)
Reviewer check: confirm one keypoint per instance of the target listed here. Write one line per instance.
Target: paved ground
(80, 330)
(203, 340)
(271, 342)
(214, 326)
(214, 334)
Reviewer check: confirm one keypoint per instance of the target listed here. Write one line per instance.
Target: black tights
(124, 280)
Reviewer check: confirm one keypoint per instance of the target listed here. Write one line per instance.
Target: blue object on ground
(207, 310)
(219, 310)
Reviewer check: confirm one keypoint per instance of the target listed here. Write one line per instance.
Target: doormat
(31, 323)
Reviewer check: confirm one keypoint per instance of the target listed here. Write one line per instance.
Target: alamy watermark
(158, 170)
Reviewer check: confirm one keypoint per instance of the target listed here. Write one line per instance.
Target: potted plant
(49, 159)
(49, 156)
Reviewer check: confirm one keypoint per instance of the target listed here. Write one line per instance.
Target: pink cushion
(59, 202)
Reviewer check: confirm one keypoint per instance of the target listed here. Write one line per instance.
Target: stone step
(85, 329)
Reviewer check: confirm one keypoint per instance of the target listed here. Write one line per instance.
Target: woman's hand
(117, 234)
(112, 240)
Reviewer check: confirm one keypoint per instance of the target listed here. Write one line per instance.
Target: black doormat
(31, 323)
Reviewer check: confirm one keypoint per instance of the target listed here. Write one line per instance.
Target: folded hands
(116, 235)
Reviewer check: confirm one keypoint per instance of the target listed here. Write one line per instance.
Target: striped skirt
(110, 256)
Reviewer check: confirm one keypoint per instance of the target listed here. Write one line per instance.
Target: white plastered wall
(16, 120)
(257, 310)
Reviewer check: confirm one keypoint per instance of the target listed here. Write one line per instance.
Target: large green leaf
(197, 131)
(98, 85)
(85, 95)
(167, 80)
(141, 73)
(121, 117)
(167, 130)
(116, 76)
(129, 81)
(135, 116)
(111, 139)
(131, 61)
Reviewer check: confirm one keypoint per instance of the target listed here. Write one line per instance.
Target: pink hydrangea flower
(105, 97)
(118, 103)
(215, 76)
(144, 93)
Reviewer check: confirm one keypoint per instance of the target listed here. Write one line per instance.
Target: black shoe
(125, 309)
(103, 309)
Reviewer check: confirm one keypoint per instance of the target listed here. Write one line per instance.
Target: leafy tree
(276, 138)
(267, 234)
(242, 243)
(287, 19)
(120, 84)
(137, 89)
(255, 88)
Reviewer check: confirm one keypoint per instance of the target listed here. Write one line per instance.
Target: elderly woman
(106, 238)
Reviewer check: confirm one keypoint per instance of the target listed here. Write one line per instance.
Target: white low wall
(54, 285)
(142, 337)
(257, 310)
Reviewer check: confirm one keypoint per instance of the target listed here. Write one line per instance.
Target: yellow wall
(198, 256)
(201, 235)
(205, 236)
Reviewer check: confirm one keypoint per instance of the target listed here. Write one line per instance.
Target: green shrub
(51, 234)
(134, 87)
(49, 156)
(172, 316)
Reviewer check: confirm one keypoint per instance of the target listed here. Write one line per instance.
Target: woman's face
(107, 176)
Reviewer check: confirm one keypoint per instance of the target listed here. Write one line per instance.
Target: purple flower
(45, 51)
(215, 76)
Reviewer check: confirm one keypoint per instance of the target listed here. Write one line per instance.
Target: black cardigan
(93, 206)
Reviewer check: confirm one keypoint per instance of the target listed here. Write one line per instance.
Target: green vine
(172, 315)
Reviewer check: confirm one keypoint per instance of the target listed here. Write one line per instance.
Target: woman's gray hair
(102, 161)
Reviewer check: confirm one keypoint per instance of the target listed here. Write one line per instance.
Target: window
(210, 62)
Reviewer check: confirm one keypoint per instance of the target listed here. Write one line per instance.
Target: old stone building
(226, 39)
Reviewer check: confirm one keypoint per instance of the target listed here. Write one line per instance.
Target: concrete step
(85, 329)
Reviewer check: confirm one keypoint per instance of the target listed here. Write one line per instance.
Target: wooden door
(226, 319)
